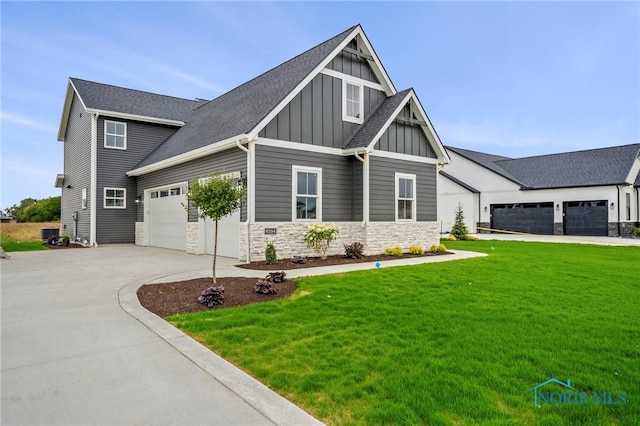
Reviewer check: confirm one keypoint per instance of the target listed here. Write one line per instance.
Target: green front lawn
(8, 244)
(450, 343)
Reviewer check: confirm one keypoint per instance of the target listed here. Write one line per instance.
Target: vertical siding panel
(272, 129)
(327, 114)
(296, 119)
(283, 124)
(306, 115)
(316, 86)
(338, 137)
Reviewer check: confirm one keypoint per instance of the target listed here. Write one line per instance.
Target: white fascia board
(350, 78)
(378, 69)
(633, 173)
(443, 157)
(299, 146)
(66, 110)
(357, 31)
(135, 117)
(404, 157)
(188, 156)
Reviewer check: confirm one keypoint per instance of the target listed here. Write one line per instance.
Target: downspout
(618, 187)
(479, 212)
(94, 179)
(249, 190)
(365, 186)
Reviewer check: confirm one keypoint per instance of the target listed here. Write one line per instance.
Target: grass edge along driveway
(459, 342)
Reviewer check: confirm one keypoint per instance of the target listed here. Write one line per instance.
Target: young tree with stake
(215, 197)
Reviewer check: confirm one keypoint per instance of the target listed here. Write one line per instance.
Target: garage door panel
(531, 219)
(168, 222)
(228, 235)
(586, 218)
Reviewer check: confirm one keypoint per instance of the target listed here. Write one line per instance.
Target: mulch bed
(313, 262)
(182, 296)
(57, 247)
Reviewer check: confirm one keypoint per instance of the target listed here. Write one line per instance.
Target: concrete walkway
(78, 349)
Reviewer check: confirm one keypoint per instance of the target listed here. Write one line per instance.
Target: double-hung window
(352, 105)
(115, 198)
(307, 193)
(115, 135)
(405, 197)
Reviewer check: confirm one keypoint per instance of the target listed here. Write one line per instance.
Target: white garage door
(228, 236)
(168, 218)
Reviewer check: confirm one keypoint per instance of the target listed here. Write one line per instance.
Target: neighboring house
(324, 137)
(6, 219)
(592, 192)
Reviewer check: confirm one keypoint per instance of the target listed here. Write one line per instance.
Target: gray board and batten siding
(382, 188)
(314, 116)
(77, 171)
(118, 225)
(405, 138)
(341, 198)
(353, 65)
(228, 161)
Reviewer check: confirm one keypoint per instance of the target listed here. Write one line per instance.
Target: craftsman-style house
(324, 137)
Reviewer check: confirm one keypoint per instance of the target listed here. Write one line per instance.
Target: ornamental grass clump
(416, 250)
(394, 251)
(318, 237)
(438, 248)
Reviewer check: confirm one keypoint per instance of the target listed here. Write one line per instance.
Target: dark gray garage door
(532, 218)
(586, 218)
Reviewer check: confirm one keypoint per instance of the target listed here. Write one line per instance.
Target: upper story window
(115, 198)
(405, 197)
(115, 135)
(352, 105)
(307, 193)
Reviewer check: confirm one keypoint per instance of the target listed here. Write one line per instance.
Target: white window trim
(114, 134)
(83, 200)
(294, 192)
(104, 198)
(415, 197)
(360, 87)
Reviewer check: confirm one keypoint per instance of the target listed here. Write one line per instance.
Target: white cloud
(25, 121)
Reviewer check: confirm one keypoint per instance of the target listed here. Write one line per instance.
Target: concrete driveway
(72, 356)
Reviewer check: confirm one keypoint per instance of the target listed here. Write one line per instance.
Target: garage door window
(115, 198)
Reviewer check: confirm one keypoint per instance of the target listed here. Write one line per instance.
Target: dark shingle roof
(486, 160)
(594, 167)
(239, 111)
(370, 128)
(105, 97)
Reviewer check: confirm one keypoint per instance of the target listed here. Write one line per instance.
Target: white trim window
(83, 203)
(307, 194)
(405, 197)
(115, 198)
(115, 135)
(352, 102)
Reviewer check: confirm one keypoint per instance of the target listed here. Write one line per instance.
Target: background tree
(32, 210)
(459, 229)
(215, 197)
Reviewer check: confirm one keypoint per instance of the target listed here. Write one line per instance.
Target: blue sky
(509, 78)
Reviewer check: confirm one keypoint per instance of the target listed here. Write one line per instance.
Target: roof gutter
(188, 156)
(136, 117)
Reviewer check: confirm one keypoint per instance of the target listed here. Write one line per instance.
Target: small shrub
(65, 241)
(318, 237)
(265, 287)
(635, 232)
(451, 238)
(416, 250)
(438, 248)
(459, 229)
(299, 259)
(353, 250)
(270, 254)
(471, 238)
(394, 251)
(212, 296)
(276, 277)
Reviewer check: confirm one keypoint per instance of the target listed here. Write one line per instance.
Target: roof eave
(593, 185)
(188, 156)
(66, 110)
(136, 117)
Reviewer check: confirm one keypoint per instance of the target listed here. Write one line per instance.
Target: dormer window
(115, 135)
(352, 105)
